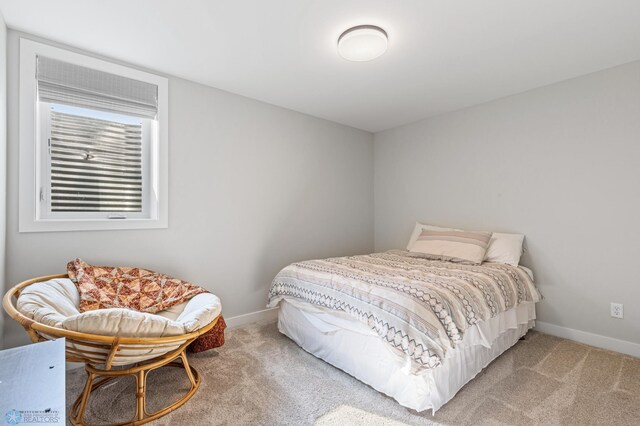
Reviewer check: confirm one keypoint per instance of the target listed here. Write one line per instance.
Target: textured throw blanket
(103, 287)
(420, 307)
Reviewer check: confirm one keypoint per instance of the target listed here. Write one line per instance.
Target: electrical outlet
(617, 310)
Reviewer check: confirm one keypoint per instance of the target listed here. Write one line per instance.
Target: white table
(32, 384)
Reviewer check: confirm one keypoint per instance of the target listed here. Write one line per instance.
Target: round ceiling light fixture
(362, 43)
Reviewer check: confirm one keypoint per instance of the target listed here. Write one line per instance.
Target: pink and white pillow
(454, 245)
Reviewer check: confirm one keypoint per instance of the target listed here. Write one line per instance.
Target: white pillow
(505, 248)
(49, 302)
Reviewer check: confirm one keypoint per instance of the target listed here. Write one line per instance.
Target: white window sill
(58, 225)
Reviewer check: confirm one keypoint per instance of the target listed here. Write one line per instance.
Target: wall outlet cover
(617, 310)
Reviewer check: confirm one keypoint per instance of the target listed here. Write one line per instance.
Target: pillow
(453, 245)
(212, 339)
(419, 228)
(49, 302)
(505, 248)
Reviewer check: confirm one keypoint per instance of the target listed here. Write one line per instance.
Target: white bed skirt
(351, 346)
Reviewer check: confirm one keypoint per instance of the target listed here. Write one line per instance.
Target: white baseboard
(597, 340)
(265, 314)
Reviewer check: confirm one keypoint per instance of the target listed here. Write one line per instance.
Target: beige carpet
(260, 377)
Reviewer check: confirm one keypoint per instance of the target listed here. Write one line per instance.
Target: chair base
(96, 378)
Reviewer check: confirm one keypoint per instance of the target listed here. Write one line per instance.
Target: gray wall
(3, 159)
(560, 164)
(253, 188)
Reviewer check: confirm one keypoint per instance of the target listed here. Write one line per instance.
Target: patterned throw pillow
(212, 339)
(454, 245)
(103, 287)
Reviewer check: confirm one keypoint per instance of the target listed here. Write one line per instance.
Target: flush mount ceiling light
(362, 43)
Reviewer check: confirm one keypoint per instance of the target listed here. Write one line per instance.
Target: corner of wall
(3, 162)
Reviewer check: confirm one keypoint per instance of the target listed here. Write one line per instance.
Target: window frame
(34, 149)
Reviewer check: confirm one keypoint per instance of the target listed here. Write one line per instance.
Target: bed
(414, 329)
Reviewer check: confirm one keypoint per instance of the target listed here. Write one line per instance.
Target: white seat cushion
(49, 302)
(56, 302)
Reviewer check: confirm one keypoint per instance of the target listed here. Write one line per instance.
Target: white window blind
(65, 83)
(96, 165)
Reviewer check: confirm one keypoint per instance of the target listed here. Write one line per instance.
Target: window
(93, 138)
(94, 163)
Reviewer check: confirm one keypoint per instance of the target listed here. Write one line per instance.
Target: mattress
(352, 346)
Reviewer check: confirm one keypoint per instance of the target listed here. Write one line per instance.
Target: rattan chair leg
(141, 379)
(187, 368)
(86, 393)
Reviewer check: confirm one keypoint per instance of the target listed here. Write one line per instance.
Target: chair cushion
(123, 322)
(49, 302)
(55, 303)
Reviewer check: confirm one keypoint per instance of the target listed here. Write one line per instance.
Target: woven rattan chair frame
(100, 353)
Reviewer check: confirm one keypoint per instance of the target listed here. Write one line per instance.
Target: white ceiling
(443, 54)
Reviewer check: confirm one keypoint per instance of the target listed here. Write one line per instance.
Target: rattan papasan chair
(112, 342)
